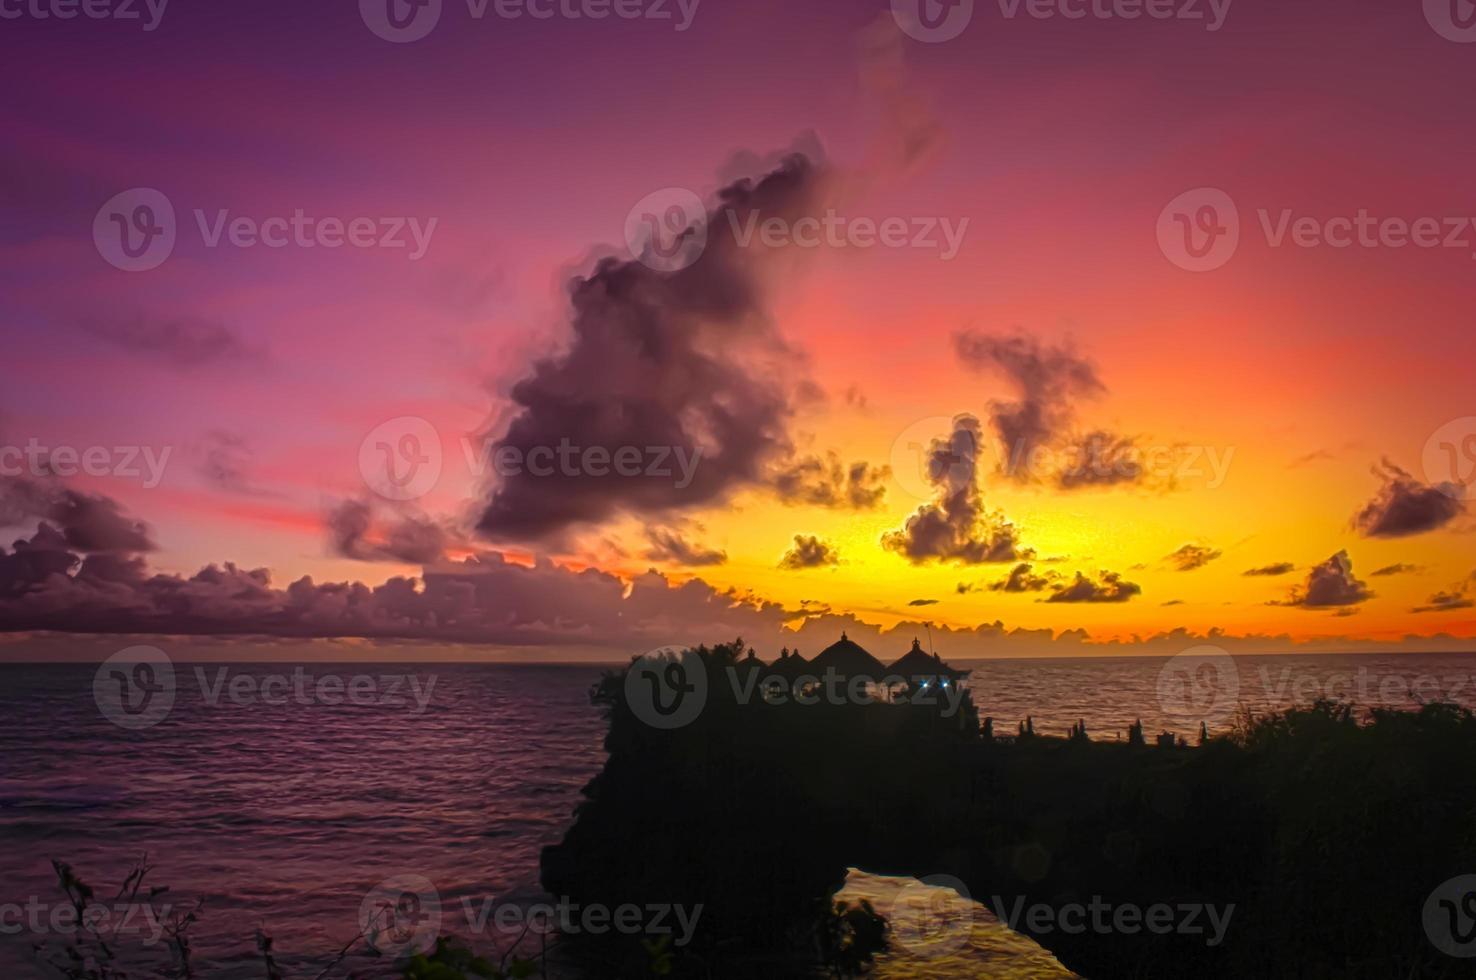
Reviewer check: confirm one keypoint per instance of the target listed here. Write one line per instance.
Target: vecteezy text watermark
(1103, 461)
(137, 688)
(835, 230)
(144, 463)
(1211, 13)
(137, 231)
(402, 459)
(403, 914)
(668, 230)
(302, 687)
(102, 919)
(935, 917)
(933, 21)
(1205, 683)
(567, 459)
(1105, 918)
(1364, 687)
(404, 21)
(309, 231)
(149, 13)
(667, 689)
(568, 917)
(1200, 230)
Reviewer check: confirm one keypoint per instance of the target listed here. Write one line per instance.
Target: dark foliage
(1325, 832)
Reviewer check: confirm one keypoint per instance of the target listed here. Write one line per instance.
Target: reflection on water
(289, 814)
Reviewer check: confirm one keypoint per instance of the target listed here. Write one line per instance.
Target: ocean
(286, 796)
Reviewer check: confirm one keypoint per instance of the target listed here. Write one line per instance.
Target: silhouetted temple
(848, 659)
(919, 667)
(752, 663)
(789, 666)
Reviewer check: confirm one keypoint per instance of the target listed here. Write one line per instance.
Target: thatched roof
(917, 664)
(789, 665)
(751, 662)
(849, 659)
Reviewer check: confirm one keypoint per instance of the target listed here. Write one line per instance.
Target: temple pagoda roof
(917, 662)
(849, 659)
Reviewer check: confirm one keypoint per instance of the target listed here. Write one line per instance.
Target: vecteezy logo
(1450, 458)
(135, 230)
(1199, 230)
(933, 21)
(1450, 917)
(1454, 20)
(401, 459)
(666, 688)
(401, 21)
(1199, 685)
(933, 917)
(667, 230)
(401, 916)
(134, 688)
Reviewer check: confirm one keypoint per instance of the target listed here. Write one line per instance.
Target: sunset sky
(1297, 396)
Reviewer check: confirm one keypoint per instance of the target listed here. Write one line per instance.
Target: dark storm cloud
(43, 556)
(1399, 568)
(956, 526)
(1446, 601)
(1099, 459)
(829, 482)
(923, 602)
(410, 539)
(85, 521)
(1048, 381)
(809, 552)
(681, 361)
(1330, 585)
(1107, 587)
(1405, 506)
(1279, 568)
(1458, 596)
(1022, 578)
(1192, 557)
(183, 342)
(668, 545)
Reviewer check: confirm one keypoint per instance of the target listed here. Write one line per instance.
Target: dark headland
(1325, 827)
